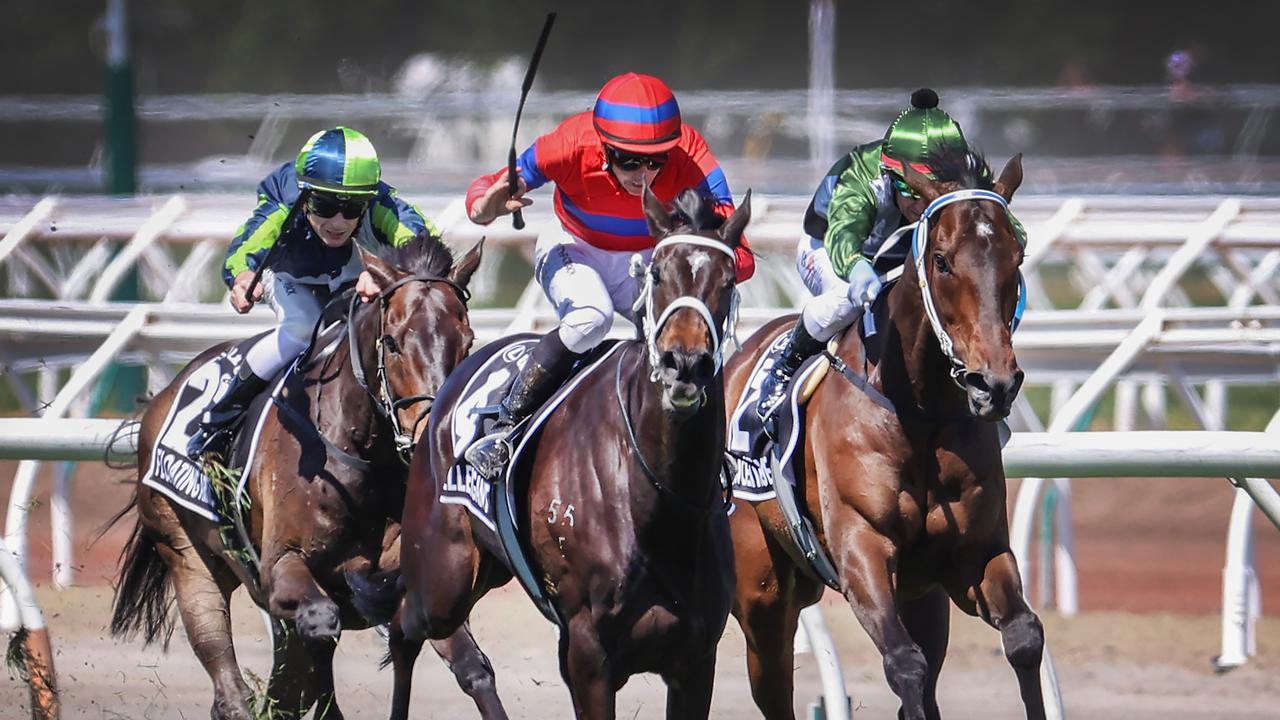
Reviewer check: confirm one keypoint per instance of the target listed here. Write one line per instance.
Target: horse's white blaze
(697, 260)
(984, 229)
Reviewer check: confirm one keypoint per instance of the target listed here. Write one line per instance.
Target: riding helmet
(920, 132)
(638, 114)
(341, 161)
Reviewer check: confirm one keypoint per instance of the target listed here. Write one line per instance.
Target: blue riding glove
(864, 284)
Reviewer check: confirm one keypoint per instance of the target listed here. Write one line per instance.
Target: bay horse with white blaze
(903, 480)
(641, 575)
(325, 492)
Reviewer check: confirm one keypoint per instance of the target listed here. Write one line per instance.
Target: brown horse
(624, 516)
(325, 491)
(907, 497)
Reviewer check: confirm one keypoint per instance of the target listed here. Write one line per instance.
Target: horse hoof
(318, 620)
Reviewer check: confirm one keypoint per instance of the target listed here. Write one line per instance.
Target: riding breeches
(585, 285)
(297, 307)
(829, 311)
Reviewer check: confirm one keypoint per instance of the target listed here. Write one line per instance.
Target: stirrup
(484, 454)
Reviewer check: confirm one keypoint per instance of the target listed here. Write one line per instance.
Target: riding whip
(271, 251)
(513, 183)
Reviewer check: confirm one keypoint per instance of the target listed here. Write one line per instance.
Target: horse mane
(694, 209)
(424, 255)
(961, 165)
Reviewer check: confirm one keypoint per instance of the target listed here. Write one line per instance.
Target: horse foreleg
(322, 691)
(203, 602)
(928, 620)
(768, 614)
(290, 673)
(585, 668)
(999, 601)
(689, 691)
(472, 670)
(867, 562)
(403, 653)
(293, 594)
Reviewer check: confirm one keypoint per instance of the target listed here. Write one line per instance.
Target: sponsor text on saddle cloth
(749, 446)
(475, 411)
(172, 472)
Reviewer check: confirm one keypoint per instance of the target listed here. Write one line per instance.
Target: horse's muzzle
(991, 395)
(684, 376)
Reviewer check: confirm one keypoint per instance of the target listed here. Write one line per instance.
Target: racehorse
(325, 493)
(623, 512)
(900, 468)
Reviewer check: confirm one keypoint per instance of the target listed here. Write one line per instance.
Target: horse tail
(375, 595)
(145, 594)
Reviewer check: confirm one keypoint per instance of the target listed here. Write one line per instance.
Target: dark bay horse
(625, 513)
(908, 497)
(326, 490)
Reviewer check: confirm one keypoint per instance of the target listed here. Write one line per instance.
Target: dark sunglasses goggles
(326, 206)
(631, 163)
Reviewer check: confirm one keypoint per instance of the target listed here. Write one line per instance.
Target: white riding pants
(297, 307)
(585, 285)
(829, 311)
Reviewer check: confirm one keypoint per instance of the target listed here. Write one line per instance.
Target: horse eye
(653, 275)
(940, 263)
(389, 343)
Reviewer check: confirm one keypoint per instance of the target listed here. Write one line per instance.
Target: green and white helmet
(341, 161)
(919, 133)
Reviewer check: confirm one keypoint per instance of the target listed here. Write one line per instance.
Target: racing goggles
(326, 206)
(905, 190)
(630, 163)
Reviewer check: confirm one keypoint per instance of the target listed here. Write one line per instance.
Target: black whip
(271, 251)
(513, 184)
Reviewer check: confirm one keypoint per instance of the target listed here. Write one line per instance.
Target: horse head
(966, 256)
(689, 297)
(424, 331)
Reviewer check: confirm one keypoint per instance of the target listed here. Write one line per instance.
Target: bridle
(652, 328)
(385, 401)
(920, 246)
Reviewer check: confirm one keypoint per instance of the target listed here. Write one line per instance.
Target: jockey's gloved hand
(864, 284)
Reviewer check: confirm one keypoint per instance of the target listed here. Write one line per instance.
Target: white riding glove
(864, 284)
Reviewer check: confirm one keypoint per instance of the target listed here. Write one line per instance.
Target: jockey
(861, 204)
(346, 200)
(600, 162)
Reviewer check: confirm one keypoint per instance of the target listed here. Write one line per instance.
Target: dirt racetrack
(1150, 554)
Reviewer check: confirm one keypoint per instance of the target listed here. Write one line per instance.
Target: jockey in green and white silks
(859, 212)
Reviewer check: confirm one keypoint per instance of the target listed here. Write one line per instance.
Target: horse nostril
(977, 381)
(705, 366)
(669, 361)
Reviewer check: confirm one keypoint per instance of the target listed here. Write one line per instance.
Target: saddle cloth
(178, 477)
(748, 445)
(476, 410)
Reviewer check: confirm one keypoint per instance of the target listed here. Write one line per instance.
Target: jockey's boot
(245, 386)
(800, 347)
(548, 367)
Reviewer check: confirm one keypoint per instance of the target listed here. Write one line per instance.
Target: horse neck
(677, 450)
(346, 413)
(914, 368)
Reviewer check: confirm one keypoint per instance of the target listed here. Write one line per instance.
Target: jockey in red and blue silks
(600, 162)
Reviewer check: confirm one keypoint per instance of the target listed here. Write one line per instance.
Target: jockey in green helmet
(859, 207)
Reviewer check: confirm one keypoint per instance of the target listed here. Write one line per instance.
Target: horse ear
(920, 182)
(731, 231)
(1010, 178)
(655, 214)
(381, 271)
(466, 267)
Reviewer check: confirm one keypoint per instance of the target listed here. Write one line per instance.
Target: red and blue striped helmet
(638, 114)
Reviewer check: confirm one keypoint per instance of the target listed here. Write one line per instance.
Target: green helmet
(919, 133)
(341, 161)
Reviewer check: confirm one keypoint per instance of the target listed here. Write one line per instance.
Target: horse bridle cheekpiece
(919, 247)
(652, 327)
(385, 401)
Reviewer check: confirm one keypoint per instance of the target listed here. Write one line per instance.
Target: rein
(385, 401)
(919, 248)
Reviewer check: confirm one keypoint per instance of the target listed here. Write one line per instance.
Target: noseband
(385, 401)
(920, 246)
(652, 327)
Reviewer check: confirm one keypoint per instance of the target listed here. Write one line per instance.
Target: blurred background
(1104, 97)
